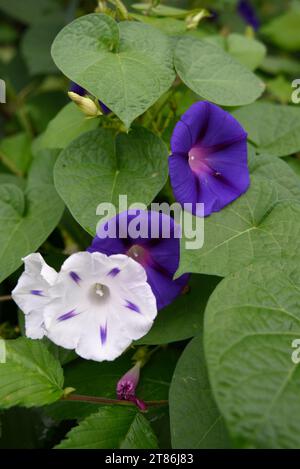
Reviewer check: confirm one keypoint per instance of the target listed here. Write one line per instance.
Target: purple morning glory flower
(127, 385)
(159, 255)
(209, 158)
(82, 92)
(247, 11)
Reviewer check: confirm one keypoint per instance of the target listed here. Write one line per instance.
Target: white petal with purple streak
(32, 293)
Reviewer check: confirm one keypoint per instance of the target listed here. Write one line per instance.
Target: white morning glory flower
(97, 304)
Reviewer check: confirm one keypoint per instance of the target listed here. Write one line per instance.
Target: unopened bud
(193, 20)
(86, 105)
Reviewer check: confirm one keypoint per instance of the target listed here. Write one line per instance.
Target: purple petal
(37, 292)
(190, 127)
(103, 334)
(247, 11)
(114, 272)
(69, 315)
(132, 306)
(104, 108)
(161, 253)
(74, 276)
(165, 288)
(77, 89)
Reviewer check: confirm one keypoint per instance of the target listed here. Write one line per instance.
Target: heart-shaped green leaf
(28, 217)
(97, 168)
(128, 66)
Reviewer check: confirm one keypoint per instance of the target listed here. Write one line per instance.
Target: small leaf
(283, 31)
(195, 420)
(30, 376)
(214, 74)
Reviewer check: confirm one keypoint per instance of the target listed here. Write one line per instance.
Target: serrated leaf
(183, 318)
(251, 321)
(97, 168)
(128, 66)
(28, 216)
(30, 376)
(214, 74)
(67, 125)
(272, 128)
(263, 223)
(196, 422)
(112, 428)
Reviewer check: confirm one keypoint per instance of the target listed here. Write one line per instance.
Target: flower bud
(127, 385)
(86, 105)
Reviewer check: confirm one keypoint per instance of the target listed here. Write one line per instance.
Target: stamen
(99, 289)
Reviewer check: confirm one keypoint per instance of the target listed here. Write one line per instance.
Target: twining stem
(5, 298)
(104, 400)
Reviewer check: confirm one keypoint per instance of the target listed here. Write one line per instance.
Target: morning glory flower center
(197, 160)
(98, 293)
(138, 253)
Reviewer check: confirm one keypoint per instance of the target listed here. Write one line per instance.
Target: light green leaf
(97, 168)
(27, 217)
(263, 223)
(128, 66)
(69, 124)
(112, 428)
(283, 31)
(30, 376)
(36, 45)
(196, 422)
(247, 51)
(251, 321)
(214, 74)
(15, 153)
(272, 128)
(183, 318)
